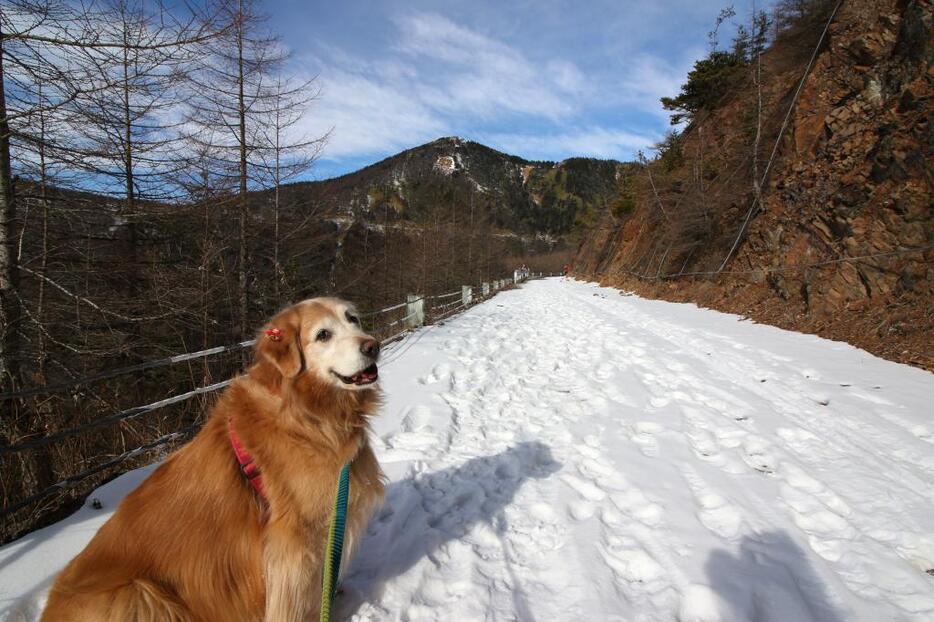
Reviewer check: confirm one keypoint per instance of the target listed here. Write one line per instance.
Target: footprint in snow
(643, 434)
(603, 371)
(602, 474)
(416, 418)
(544, 513)
(586, 489)
(756, 452)
(637, 573)
(581, 510)
(592, 440)
(798, 439)
(714, 512)
(719, 516)
(439, 373)
(829, 533)
(633, 503)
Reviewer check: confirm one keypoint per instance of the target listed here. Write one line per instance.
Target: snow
(563, 452)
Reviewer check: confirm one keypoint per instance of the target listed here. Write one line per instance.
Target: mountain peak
(521, 195)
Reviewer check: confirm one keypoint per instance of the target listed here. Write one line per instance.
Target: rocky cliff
(840, 241)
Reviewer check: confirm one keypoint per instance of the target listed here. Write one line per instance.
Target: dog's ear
(280, 343)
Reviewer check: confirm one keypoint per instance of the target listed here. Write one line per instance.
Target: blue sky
(543, 79)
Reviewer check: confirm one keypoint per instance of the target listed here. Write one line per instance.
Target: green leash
(335, 547)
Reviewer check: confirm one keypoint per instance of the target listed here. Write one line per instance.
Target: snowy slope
(563, 452)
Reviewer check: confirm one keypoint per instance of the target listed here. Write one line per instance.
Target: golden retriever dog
(198, 540)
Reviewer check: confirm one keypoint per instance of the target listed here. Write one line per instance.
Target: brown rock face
(842, 242)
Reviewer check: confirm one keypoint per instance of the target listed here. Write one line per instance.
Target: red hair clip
(274, 333)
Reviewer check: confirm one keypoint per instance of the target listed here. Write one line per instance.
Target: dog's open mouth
(364, 376)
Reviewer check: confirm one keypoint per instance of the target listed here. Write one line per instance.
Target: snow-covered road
(563, 452)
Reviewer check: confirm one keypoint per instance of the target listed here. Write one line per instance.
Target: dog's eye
(323, 335)
(353, 319)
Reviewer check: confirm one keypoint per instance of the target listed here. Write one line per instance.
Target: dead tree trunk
(9, 307)
(243, 301)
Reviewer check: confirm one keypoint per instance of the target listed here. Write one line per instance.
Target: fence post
(466, 294)
(415, 310)
(485, 289)
(515, 276)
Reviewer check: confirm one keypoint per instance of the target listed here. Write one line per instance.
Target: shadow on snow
(424, 512)
(770, 578)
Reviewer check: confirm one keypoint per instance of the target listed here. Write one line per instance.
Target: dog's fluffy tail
(144, 601)
(139, 601)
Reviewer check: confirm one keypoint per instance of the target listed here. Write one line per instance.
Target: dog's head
(320, 338)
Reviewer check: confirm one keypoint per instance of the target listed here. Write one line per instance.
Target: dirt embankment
(842, 242)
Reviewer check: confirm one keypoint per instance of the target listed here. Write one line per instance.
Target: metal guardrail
(123, 371)
(123, 415)
(415, 317)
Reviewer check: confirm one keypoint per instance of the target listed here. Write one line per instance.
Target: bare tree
(8, 306)
(758, 30)
(233, 98)
(82, 85)
(646, 165)
(25, 61)
(37, 82)
(284, 156)
(127, 129)
(66, 70)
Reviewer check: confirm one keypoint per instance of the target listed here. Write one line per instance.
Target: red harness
(247, 463)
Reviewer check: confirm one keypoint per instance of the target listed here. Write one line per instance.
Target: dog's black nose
(370, 348)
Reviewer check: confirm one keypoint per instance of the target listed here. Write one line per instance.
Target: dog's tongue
(366, 376)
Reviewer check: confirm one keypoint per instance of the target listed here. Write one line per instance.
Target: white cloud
(480, 75)
(368, 115)
(648, 78)
(439, 78)
(566, 75)
(593, 142)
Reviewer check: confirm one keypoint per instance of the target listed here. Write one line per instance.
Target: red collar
(247, 463)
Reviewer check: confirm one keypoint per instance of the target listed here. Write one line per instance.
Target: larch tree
(232, 100)
(129, 143)
(284, 154)
(43, 49)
